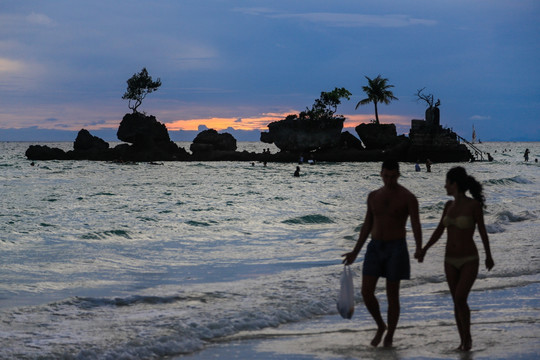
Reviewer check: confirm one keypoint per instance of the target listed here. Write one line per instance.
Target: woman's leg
(452, 278)
(468, 273)
(460, 283)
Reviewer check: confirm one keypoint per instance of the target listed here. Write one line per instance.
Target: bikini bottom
(458, 262)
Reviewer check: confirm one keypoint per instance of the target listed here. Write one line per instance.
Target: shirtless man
(387, 211)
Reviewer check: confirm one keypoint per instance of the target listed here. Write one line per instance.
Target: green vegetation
(325, 106)
(377, 92)
(139, 85)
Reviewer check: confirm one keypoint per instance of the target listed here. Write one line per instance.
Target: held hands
(419, 254)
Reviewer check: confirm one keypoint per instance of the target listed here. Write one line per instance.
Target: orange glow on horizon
(250, 123)
(261, 122)
(99, 122)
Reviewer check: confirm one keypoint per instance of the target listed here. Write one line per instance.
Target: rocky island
(146, 139)
(315, 133)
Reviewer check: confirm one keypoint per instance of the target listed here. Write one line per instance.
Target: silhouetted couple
(388, 209)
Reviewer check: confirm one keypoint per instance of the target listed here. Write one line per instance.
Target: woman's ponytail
(466, 182)
(476, 190)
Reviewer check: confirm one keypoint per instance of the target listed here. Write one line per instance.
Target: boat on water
(474, 140)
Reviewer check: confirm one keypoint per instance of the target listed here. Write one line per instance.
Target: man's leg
(392, 293)
(369, 284)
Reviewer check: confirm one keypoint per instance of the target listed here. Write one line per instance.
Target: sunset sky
(232, 64)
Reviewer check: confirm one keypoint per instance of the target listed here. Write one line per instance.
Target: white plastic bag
(345, 303)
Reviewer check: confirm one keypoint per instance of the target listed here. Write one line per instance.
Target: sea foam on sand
(505, 325)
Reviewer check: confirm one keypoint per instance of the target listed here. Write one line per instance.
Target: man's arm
(350, 257)
(415, 224)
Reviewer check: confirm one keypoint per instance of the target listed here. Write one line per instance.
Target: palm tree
(377, 91)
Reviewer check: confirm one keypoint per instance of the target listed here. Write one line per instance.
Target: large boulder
(149, 138)
(304, 134)
(377, 136)
(210, 140)
(349, 141)
(87, 142)
(142, 130)
(44, 152)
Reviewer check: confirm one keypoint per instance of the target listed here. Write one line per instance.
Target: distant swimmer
(297, 172)
(526, 155)
(428, 165)
(417, 166)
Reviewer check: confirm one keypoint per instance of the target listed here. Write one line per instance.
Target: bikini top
(461, 222)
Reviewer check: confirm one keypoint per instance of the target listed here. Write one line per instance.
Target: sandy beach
(505, 325)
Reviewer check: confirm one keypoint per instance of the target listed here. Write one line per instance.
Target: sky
(235, 66)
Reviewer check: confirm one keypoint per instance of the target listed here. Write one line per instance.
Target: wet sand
(505, 325)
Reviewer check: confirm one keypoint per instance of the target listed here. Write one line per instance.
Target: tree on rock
(432, 112)
(377, 92)
(138, 86)
(325, 107)
(312, 129)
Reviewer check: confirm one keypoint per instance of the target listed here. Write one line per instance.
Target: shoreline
(505, 324)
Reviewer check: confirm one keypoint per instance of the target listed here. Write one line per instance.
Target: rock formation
(304, 135)
(211, 140)
(44, 152)
(148, 140)
(377, 136)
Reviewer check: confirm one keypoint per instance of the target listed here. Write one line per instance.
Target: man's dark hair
(390, 164)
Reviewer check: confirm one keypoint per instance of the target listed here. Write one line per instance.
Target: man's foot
(388, 339)
(378, 336)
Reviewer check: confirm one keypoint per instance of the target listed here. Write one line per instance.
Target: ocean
(198, 260)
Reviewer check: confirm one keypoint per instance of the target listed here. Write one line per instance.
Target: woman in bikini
(461, 261)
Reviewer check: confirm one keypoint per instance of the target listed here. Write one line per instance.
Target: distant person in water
(428, 165)
(526, 155)
(297, 172)
(459, 218)
(388, 209)
(417, 166)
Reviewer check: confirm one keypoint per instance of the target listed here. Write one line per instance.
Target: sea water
(106, 260)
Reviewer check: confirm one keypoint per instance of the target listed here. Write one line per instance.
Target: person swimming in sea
(460, 217)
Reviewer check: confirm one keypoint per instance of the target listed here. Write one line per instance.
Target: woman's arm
(479, 218)
(415, 224)
(436, 234)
